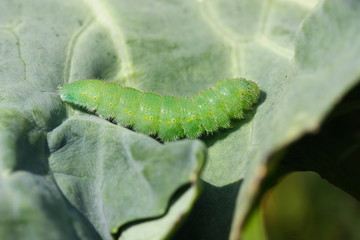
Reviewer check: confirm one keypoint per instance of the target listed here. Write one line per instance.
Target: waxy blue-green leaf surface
(122, 177)
(302, 54)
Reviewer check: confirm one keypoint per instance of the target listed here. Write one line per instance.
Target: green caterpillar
(167, 117)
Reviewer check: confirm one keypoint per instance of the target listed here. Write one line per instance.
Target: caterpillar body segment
(167, 117)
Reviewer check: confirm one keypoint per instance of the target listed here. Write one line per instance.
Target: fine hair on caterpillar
(169, 118)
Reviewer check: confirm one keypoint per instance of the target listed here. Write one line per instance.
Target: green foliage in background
(304, 206)
(65, 174)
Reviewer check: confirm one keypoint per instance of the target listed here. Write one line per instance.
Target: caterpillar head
(82, 92)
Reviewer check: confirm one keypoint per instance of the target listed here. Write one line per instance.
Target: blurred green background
(305, 206)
